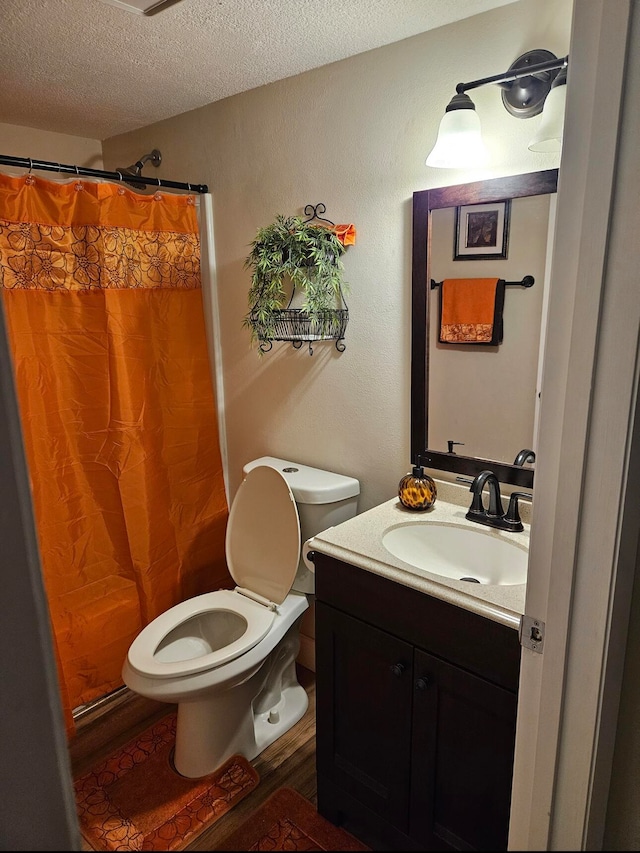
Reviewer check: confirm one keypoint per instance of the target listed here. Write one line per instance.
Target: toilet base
(291, 708)
(244, 719)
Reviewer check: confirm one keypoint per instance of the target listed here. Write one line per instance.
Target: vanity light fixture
(525, 87)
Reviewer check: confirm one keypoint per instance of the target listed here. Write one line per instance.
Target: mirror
(485, 394)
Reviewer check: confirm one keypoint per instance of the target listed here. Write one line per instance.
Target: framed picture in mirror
(482, 231)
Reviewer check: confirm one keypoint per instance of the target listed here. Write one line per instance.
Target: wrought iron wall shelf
(298, 327)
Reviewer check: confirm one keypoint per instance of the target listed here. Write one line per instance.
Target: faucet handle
(512, 517)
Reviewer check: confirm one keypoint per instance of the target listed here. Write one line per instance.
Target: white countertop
(359, 541)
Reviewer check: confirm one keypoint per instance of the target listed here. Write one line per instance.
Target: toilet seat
(262, 547)
(263, 535)
(143, 658)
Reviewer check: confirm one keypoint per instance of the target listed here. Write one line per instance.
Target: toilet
(227, 658)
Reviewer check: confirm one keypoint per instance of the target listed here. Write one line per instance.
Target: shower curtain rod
(47, 166)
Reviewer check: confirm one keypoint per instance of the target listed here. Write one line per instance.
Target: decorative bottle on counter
(417, 490)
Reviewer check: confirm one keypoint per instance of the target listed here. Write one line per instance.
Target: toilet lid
(263, 535)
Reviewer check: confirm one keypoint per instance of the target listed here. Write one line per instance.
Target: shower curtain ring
(77, 172)
(28, 178)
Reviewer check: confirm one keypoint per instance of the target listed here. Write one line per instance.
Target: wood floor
(290, 761)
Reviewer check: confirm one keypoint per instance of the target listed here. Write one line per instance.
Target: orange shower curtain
(101, 288)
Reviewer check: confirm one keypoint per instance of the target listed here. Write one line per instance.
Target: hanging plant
(292, 256)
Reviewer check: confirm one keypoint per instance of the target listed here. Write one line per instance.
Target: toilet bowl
(227, 658)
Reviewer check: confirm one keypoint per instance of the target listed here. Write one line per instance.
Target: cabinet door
(464, 735)
(363, 692)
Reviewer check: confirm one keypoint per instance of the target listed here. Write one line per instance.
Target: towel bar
(527, 281)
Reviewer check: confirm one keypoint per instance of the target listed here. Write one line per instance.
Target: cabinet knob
(397, 669)
(422, 683)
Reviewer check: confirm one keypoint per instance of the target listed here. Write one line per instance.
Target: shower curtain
(102, 294)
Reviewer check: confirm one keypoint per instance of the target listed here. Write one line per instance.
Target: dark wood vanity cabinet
(416, 713)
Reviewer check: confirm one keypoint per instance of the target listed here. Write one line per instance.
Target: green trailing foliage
(292, 255)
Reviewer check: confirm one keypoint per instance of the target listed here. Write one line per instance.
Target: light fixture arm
(515, 74)
(525, 86)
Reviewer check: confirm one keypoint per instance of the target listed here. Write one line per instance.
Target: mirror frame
(424, 201)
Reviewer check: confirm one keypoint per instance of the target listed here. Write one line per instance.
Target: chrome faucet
(495, 516)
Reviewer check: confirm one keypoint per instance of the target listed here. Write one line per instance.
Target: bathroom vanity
(417, 680)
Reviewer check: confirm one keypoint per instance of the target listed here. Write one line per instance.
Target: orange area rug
(288, 821)
(135, 800)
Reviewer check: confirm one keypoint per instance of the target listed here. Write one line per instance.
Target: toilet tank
(323, 499)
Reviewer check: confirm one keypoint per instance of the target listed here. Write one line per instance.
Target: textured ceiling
(91, 69)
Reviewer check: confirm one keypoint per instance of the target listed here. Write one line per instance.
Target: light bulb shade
(459, 143)
(549, 135)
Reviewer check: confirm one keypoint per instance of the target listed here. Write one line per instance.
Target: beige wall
(485, 396)
(17, 141)
(353, 135)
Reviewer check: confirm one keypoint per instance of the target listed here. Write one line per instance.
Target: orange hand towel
(471, 311)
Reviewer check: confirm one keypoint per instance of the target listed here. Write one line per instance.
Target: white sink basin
(461, 553)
